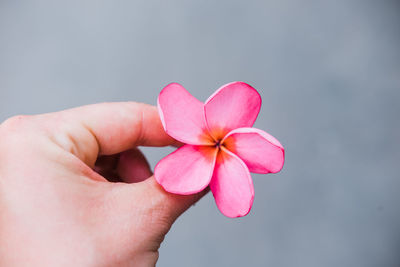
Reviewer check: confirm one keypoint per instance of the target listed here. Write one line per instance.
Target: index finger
(110, 128)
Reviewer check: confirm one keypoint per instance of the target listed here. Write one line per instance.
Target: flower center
(219, 143)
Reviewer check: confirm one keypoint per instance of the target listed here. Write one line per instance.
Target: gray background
(329, 75)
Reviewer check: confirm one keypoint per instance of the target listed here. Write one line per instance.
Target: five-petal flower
(220, 147)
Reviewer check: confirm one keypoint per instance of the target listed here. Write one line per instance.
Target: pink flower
(220, 149)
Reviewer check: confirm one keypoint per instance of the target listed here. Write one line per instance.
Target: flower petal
(232, 106)
(261, 152)
(182, 115)
(231, 185)
(186, 171)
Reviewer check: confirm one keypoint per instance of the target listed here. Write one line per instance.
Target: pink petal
(182, 115)
(231, 185)
(186, 171)
(261, 152)
(232, 106)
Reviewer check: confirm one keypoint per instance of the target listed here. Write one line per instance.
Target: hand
(56, 209)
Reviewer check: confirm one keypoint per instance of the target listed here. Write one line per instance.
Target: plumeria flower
(220, 147)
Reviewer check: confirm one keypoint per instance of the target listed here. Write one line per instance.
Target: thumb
(150, 207)
(141, 214)
(171, 205)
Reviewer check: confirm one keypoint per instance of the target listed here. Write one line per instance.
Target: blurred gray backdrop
(329, 75)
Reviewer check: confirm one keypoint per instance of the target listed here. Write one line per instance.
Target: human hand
(57, 207)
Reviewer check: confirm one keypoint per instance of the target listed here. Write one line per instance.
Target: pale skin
(57, 204)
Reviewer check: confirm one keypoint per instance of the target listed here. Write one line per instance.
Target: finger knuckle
(15, 122)
(13, 131)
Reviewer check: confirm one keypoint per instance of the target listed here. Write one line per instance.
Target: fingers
(133, 166)
(129, 166)
(106, 166)
(109, 128)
